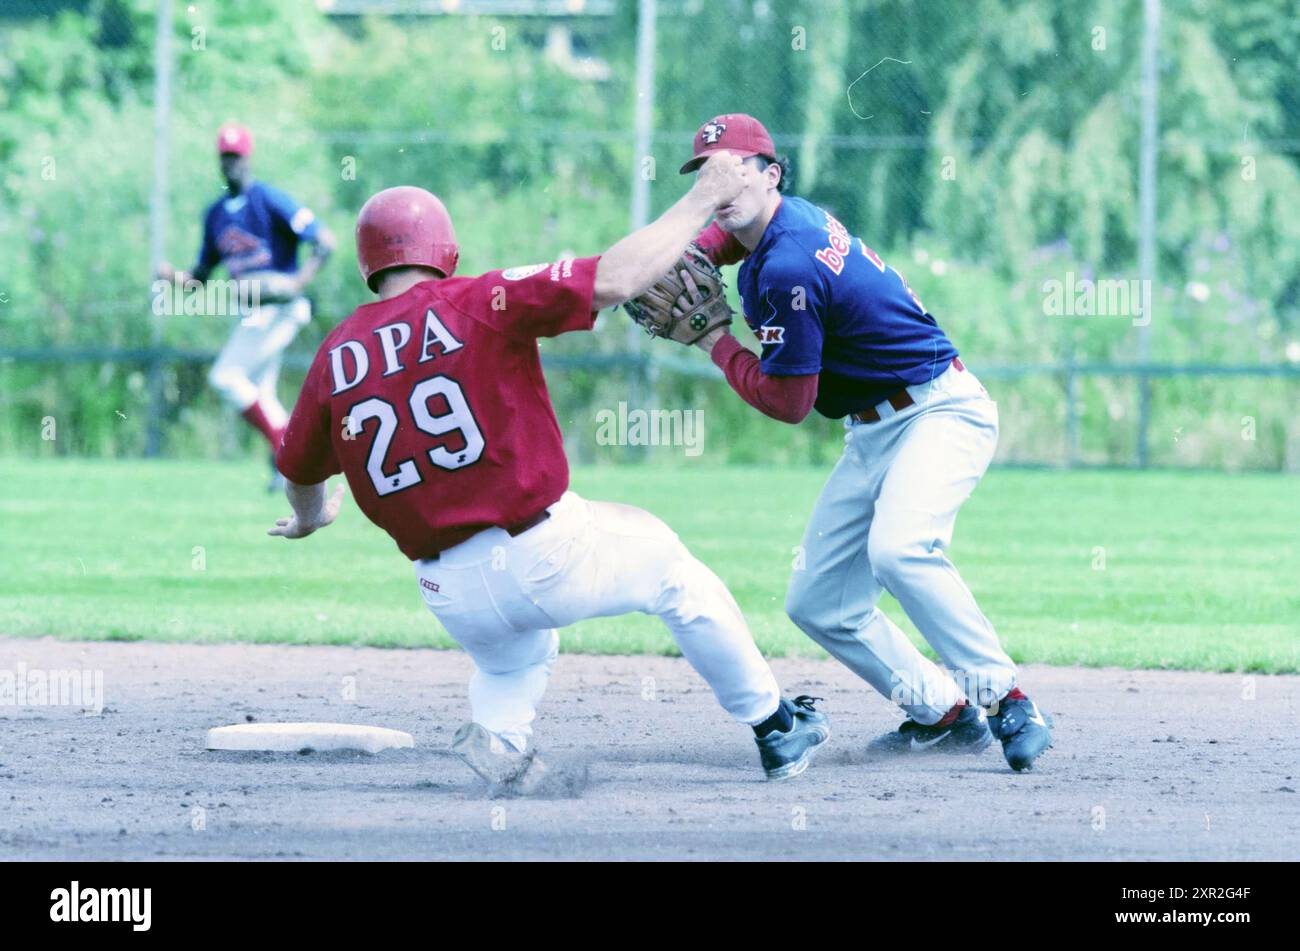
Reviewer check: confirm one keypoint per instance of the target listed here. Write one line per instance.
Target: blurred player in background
(841, 332)
(432, 402)
(254, 230)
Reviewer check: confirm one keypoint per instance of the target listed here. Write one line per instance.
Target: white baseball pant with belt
(502, 598)
(248, 367)
(883, 523)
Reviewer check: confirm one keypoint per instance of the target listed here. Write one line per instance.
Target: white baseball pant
(883, 523)
(248, 367)
(502, 598)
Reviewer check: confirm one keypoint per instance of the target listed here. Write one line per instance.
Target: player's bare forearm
(308, 501)
(312, 509)
(637, 261)
(166, 272)
(640, 259)
(321, 250)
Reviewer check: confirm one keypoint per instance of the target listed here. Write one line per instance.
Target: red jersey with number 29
(433, 405)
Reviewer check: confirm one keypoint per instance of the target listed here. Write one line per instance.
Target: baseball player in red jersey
(432, 403)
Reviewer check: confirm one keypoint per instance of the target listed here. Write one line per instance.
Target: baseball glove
(684, 304)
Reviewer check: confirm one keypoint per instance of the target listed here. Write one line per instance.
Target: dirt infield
(1147, 765)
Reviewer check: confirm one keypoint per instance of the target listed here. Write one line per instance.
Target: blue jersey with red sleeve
(256, 230)
(821, 301)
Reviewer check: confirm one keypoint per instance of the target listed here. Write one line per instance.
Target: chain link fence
(992, 151)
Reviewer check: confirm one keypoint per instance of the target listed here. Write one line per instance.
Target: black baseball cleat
(785, 755)
(1023, 730)
(969, 733)
(277, 481)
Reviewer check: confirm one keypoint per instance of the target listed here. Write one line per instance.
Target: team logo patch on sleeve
(772, 335)
(528, 270)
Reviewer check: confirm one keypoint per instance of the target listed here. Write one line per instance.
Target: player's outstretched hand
(166, 272)
(297, 527)
(721, 179)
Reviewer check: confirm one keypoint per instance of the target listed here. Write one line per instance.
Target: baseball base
(294, 737)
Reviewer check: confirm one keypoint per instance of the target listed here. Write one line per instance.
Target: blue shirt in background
(257, 230)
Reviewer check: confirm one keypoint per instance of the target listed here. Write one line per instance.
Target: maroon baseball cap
(234, 138)
(736, 133)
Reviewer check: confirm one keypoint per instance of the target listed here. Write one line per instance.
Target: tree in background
(983, 146)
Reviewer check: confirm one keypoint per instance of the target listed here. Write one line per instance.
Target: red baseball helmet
(234, 138)
(404, 226)
(735, 132)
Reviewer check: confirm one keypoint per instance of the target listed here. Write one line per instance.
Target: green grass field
(1200, 570)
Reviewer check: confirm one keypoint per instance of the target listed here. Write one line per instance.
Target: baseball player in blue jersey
(254, 230)
(841, 332)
